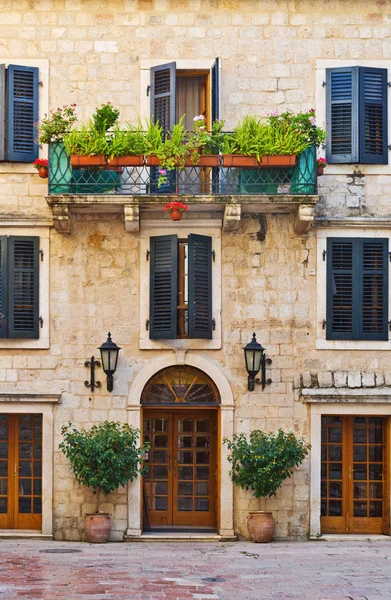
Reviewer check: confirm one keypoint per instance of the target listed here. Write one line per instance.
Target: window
(356, 114)
(19, 90)
(19, 287)
(357, 289)
(180, 287)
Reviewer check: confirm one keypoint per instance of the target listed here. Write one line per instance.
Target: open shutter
(23, 288)
(3, 287)
(200, 286)
(22, 113)
(163, 90)
(163, 287)
(2, 112)
(373, 115)
(342, 115)
(374, 286)
(341, 311)
(215, 91)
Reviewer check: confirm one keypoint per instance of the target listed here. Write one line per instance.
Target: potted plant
(154, 138)
(204, 146)
(176, 209)
(42, 166)
(245, 147)
(261, 463)
(320, 166)
(128, 146)
(173, 152)
(104, 457)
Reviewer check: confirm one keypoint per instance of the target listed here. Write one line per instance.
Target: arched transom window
(180, 385)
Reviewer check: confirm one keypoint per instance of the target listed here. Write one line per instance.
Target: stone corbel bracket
(132, 217)
(232, 214)
(304, 218)
(62, 218)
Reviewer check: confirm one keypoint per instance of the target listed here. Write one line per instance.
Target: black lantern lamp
(254, 355)
(109, 355)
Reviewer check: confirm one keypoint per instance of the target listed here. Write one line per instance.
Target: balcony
(229, 190)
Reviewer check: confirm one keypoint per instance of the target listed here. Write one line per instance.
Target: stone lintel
(354, 222)
(332, 395)
(304, 218)
(41, 397)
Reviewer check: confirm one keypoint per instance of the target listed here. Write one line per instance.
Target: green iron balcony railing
(299, 178)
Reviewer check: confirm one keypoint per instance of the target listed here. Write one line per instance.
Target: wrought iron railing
(300, 179)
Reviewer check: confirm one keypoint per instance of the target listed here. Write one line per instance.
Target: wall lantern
(109, 356)
(255, 358)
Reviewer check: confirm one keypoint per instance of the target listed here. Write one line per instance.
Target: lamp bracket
(263, 381)
(92, 364)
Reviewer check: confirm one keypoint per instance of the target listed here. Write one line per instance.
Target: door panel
(180, 487)
(21, 471)
(353, 475)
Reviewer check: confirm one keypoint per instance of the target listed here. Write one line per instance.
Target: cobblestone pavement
(198, 571)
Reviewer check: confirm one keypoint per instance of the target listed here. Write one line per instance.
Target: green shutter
(2, 112)
(163, 92)
(23, 287)
(22, 113)
(373, 115)
(215, 91)
(342, 115)
(163, 287)
(357, 289)
(200, 286)
(3, 287)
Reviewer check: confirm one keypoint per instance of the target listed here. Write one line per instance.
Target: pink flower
(199, 118)
(312, 121)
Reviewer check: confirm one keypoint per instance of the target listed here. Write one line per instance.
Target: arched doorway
(180, 420)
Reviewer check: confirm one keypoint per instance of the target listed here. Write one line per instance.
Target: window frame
(322, 235)
(207, 227)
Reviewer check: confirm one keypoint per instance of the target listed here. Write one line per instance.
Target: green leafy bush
(104, 457)
(52, 128)
(86, 141)
(262, 462)
(105, 117)
(128, 142)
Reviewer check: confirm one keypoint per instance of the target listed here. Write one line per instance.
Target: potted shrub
(41, 164)
(204, 146)
(176, 209)
(128, 146)
(246, 146)
(261, 463)
(104, 457)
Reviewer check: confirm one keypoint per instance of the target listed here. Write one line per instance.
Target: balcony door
(21, 471)
(354, 475)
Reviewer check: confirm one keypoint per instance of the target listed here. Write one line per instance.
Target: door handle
(15, 470)
(350, 473)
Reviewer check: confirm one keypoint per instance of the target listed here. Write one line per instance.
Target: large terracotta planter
(260, 526)
(239, 160)
(88, 161)
(135, 160)
(151, 160)
(97, 528)
(283, 160)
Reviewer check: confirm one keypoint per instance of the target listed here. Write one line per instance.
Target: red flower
(171, 206)
(40, 162)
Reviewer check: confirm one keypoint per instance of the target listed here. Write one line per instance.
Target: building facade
(306, 270)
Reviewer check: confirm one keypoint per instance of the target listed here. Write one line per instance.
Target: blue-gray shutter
(163, 287)
(357, 289)
(2, 112)
(200, 286)
(22, 109)
(163, 95)
(3, 287)
(342, 115)
(373, 115)
(216, 90)
(23, 287)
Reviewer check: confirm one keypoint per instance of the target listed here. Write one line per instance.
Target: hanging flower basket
(320, 165)
(176, 210)
(41, 164)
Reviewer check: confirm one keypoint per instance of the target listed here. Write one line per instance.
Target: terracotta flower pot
(283, 160)
(239, 160)
(260, 526)
(97, 528)
(43, 172)
(176, 215)
(88, 161)
(135, 160)
(151, 160)
(320, 170)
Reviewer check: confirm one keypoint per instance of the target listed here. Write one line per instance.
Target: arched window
(180, 385)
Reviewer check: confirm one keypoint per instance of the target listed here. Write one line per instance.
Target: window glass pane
(25, 468)
(37, 506)
(185, 488)
(201, 488)
(335, 452)
(25, 505)
(360, 435)
(202, 472)
(161, 441)
(25, 487)
(335, 489)
(161, 503)
(160, 472)
(360, 509)
(360, 453)
(3, 468)
(160, 456)
(375, 509)
(201, 504)
(185, 457)
(3, 487)
(37, 487)
(185, 472)
(185, 504)
(3, 449)
(161, 488)
(335, 434)
(335, 508)
(3, 505)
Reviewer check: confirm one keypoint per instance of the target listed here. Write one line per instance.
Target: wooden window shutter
(163, 287)
(3, 286)
(357, 289)
(342, 115)
(216, 90)
(163, 91)
(373, 115)
(2, 112)
(23, 287)
(22, 113)
(200, 286)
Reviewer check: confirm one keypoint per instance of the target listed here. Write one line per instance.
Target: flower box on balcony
(205, 160)
(151, 160)
(239, 160)
(283, 160)
(78, 161)
(132, 160)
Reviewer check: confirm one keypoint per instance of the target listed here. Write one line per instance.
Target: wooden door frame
(193, 410)
(317, 408)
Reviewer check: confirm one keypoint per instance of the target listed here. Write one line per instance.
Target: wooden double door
(180, 487)
(21, 471)
(354, 475)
